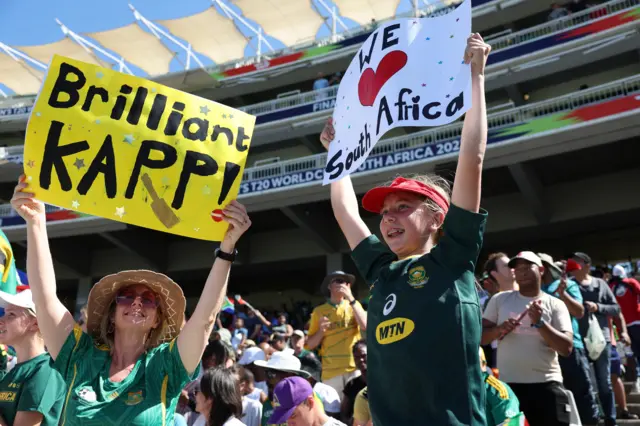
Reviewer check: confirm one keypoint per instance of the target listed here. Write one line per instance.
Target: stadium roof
(137, 47)
(19, 76)
(363, 11)
(209, 33)
(65, 47)
(219, 33)
(290, 21)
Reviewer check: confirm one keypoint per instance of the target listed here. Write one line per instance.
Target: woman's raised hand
(236, 215)
(25, 204)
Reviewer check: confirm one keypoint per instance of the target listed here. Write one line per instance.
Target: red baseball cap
(373, 200)
(572, 265)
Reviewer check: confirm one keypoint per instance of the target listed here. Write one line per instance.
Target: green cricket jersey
(33, 386)
(424, 327)
(502, 403)
(147, 396)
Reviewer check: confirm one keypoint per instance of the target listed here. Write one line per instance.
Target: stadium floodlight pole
(334, 16)
(231, 15)
(90, 47)
(157, 31)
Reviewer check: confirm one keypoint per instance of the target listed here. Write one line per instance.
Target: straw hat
(172, 301)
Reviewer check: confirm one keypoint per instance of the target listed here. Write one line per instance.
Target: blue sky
(32, 22)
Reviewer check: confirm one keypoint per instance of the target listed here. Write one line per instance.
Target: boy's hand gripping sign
(409, 72)
(128, 149)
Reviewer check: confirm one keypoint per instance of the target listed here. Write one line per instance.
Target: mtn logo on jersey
(393, 330)
(417, 277)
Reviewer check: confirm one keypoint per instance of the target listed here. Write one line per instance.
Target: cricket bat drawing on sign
(159, 206)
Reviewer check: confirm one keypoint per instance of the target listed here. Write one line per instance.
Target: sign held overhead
(129, 149)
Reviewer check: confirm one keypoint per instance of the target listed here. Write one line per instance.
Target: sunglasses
(147, 299)
(338, 281)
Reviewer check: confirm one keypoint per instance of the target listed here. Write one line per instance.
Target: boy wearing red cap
(424, 320)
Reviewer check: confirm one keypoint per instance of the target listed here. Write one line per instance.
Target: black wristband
(229, 257)
(353, 302)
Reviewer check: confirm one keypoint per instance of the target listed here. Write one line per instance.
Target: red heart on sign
(372, 81)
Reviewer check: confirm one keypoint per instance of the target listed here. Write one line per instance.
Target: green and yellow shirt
(424, 328)
(33, 386)
(502, 403)
(338, 340)
(147, 396)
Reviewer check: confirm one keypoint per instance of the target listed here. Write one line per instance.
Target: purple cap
(287, 395)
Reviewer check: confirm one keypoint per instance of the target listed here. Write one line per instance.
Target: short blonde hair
(436, 182)
(107, 328)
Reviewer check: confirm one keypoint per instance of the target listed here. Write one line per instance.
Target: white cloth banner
(409, 72)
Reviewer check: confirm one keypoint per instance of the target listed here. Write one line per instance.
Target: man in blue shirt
(321, 82)
(575, 367)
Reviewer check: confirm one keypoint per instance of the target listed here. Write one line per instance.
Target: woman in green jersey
(424, 320)
(135, 359)
(32, 392)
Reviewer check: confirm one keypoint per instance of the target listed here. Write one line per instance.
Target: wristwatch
(229, 257)
(538, 324)
(353, 302)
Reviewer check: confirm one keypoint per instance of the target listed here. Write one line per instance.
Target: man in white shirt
(534, 328)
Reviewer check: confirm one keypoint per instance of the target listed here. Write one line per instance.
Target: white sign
(409, 72)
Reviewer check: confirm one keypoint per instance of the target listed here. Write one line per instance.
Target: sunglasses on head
(147, 299)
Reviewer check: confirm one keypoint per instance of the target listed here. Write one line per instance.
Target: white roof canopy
(19, 76)
(209, 33)
(363, 11)
(65, 47)
(137, 47)
(290, 21)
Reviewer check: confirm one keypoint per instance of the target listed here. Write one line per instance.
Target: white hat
(548, 262)
(283, 362)
(619, 271)
(529, 256)
(299, 333)
(22, 299)
(251, 355)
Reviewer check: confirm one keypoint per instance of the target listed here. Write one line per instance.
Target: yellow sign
(392, 330)
(124, 148)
